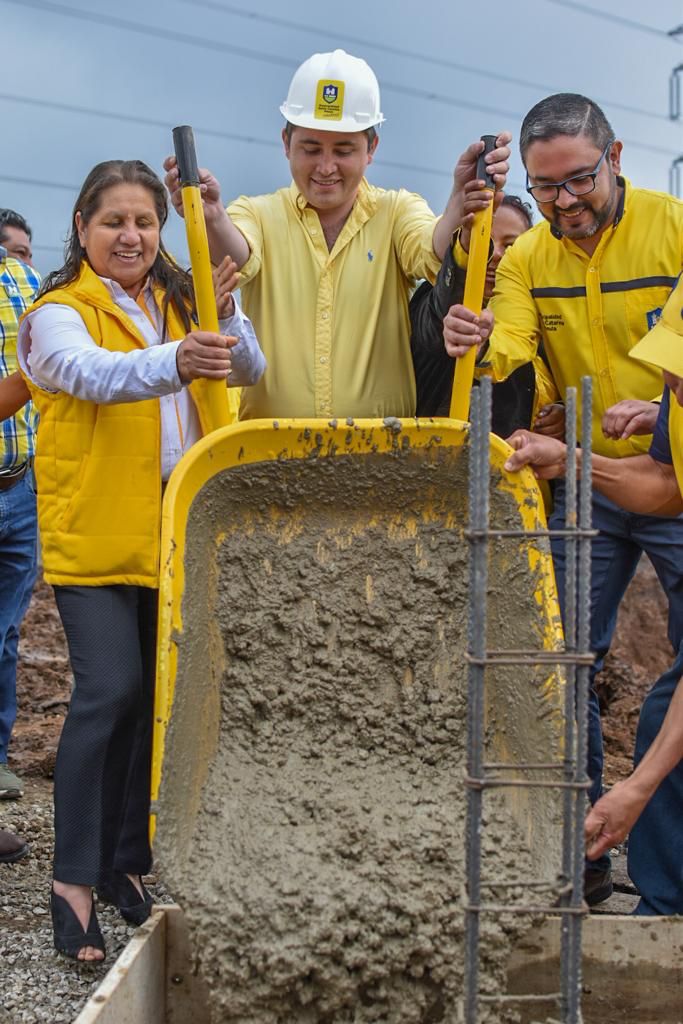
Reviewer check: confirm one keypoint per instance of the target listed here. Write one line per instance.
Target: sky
(88, 80)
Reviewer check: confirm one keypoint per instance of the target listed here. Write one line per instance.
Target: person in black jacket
(528, 397)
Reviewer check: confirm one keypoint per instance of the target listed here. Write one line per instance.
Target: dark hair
(369, 133)
(177, 283)
(522, 208)
(11, 219)
(565, 113)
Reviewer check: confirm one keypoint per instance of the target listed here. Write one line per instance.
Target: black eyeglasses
(579, 185)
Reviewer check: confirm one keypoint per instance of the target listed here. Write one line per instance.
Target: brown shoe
(11, 847)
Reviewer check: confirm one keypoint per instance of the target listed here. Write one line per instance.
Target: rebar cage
(567, 775)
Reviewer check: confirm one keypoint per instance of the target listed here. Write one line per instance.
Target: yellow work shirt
(590, 311)
(333, 326)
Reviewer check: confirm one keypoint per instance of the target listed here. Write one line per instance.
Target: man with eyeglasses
(648, 804)
(587, 282)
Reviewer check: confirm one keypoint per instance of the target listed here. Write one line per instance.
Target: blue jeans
(18, 541)
(615, 553)
(655, 846)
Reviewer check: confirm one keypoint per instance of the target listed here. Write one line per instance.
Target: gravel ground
(38, 984)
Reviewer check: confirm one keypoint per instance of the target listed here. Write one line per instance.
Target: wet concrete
(312, 815)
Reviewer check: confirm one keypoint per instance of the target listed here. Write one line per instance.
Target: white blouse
(56, 351)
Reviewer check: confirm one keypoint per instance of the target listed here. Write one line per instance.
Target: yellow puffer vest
(98, 466)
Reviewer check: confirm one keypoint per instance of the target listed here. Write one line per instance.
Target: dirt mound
(640, 653)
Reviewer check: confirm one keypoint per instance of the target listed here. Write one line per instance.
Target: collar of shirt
(150, 331)
(119, 294)
(365, 199)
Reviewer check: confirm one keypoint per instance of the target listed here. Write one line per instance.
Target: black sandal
(68, 932)
(122, 893)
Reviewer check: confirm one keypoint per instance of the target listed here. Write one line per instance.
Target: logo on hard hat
(329, 101)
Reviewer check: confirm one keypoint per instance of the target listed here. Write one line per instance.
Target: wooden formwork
(153, 981)
(632, 973)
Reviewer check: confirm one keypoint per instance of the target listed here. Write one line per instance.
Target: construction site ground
(641, 652)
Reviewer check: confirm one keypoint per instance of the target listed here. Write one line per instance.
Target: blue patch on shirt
(371, 257)
(653, 317)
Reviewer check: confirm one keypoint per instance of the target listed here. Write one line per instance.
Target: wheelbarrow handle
(475, 282)
(186, 155)
(217, 412)
(482, 167)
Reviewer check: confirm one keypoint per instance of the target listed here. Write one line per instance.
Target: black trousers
(102, 773)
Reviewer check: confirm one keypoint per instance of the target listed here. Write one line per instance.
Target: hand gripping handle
(482, 169)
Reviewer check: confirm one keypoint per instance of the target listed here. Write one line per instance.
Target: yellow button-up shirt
(333, 325)
(589, 311)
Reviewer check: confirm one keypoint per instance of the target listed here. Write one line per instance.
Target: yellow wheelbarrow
(311, 681)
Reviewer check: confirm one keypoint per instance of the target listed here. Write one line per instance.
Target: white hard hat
(333, 92)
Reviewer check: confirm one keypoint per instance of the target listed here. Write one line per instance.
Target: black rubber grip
(482, 172)
(186, 155)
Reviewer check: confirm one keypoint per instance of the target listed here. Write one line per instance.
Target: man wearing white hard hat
(328, 263)
(649, 803)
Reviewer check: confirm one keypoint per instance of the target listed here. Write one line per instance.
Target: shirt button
(323, 360)
(314, 231)
(595, 321)
(604, 373)
(591, 270)
(325, 316)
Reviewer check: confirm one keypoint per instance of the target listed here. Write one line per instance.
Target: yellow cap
(663, 345)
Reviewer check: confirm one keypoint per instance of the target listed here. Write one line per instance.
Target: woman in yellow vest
(109, 353)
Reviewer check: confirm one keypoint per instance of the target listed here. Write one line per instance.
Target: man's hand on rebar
(546, 456)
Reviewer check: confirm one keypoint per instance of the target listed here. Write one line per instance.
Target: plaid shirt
(18, 286)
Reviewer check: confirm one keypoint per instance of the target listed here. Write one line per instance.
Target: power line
(397, 51)
(617, 19)
(253, 139)
(158, 32)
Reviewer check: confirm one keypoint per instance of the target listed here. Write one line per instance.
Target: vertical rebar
(582, 682)
(478, 524)
(567, 980)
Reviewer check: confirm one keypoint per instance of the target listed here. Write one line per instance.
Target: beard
(599, 217)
